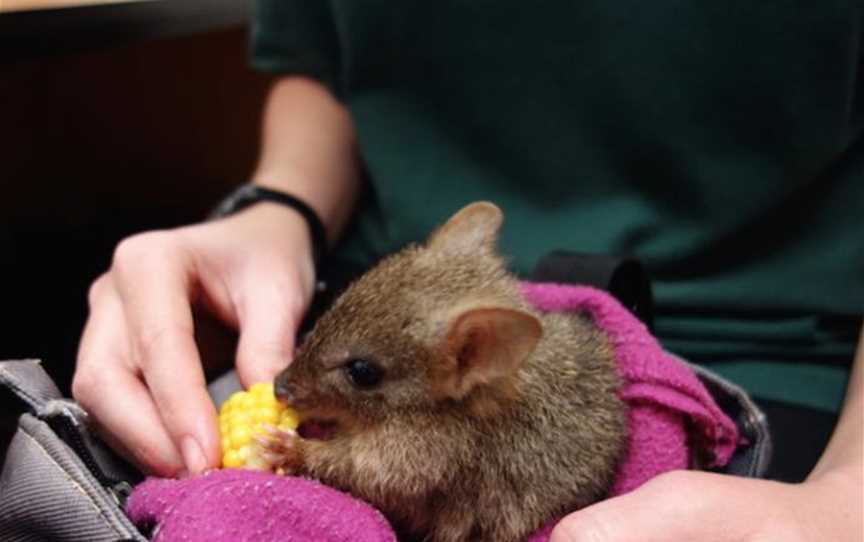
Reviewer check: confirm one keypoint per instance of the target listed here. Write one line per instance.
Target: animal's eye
(363, 373)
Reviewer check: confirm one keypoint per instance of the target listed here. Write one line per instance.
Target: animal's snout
(286, 391)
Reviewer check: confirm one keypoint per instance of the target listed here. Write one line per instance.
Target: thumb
(268, 319)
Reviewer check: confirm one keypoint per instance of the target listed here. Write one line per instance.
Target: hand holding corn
(249, 414)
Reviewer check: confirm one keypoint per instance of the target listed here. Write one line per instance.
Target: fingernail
(193, 456)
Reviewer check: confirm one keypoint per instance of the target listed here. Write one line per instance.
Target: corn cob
(245, 415)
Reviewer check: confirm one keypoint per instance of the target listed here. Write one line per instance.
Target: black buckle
(624, 278)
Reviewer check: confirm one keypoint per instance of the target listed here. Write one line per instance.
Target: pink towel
(670, 411)
(235, 505)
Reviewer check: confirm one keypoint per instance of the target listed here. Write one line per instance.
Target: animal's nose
(284, 390)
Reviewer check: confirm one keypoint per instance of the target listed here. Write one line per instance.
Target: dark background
(113, 120)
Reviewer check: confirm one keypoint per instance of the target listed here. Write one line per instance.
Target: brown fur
(491, 420)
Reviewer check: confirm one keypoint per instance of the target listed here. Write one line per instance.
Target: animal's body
(455, 408)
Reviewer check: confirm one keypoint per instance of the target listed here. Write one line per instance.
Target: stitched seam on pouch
(109, 520)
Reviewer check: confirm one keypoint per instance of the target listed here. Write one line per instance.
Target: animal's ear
(471, 230)
(484, 345)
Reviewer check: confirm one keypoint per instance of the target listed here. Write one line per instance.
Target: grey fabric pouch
(58, 483)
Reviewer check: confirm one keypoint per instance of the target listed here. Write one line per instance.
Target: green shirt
(719, 142)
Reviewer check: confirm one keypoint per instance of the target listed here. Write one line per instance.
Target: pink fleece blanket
(670, 413)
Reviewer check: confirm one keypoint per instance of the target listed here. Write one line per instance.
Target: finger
(145, 442)
(111, 393)
(676, 507)
(269, 314)
(154, 280)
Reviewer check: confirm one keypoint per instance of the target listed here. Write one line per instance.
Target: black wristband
(250, 194)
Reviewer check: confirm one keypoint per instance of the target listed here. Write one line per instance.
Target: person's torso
(717, 142)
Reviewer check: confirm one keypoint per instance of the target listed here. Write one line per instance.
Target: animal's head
(430, 327)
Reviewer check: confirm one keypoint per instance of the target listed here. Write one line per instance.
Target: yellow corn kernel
(246, 414)
(288, 419)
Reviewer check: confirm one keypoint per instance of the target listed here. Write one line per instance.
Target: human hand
(139, 373)
(688, 506)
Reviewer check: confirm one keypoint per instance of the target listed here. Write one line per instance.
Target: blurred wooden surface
(66, 31)
(169, 121)
(20, 5)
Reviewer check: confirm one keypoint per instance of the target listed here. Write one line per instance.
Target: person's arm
(309, 150)
(684, 506)
(843, 456)
(139, 373)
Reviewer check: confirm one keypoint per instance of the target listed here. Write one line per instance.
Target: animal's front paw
(278, 450)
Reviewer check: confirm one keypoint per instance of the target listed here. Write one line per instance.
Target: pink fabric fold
(669, 410)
